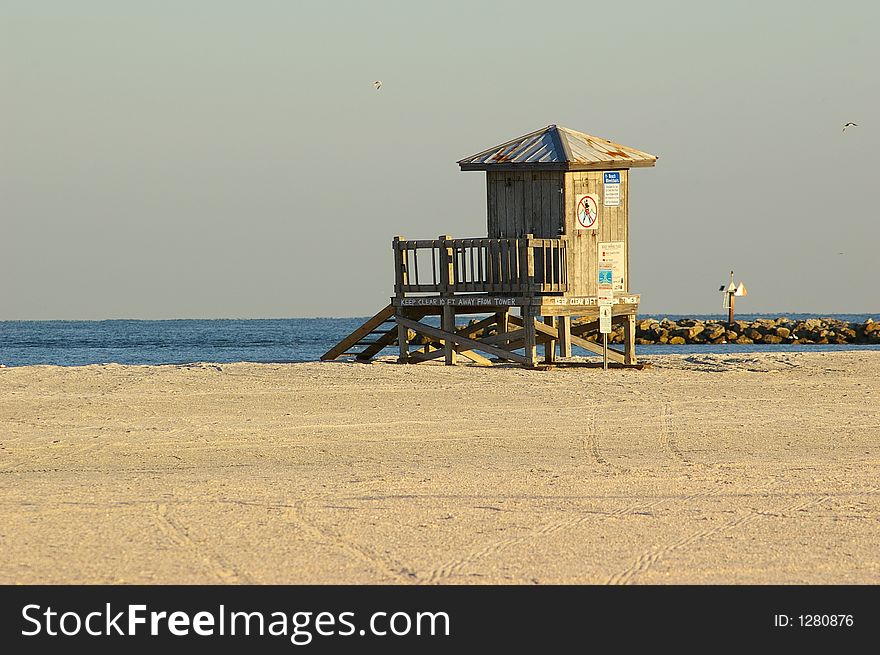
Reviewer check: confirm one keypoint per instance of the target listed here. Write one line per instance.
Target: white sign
(605, 319)
(587, 211)
(612, 254)
(611, 196)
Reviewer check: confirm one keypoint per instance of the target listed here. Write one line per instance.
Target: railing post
(530, 262)
(401, 277)
(447, 265)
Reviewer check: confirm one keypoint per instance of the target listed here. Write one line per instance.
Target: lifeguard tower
(558, 216)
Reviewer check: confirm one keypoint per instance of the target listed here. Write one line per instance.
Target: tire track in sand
(668, 435)
(651, 556)
(400, 574)
(179, 536)
(591, 439)
(455, 567)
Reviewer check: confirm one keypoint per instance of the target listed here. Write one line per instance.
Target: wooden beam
(438, 352)
(501, 339)
(613, 355)
(385, 340)
(370, 325)
(472, 344)
(468, 330)
(476, 358)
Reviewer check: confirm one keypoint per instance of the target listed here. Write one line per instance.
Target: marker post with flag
(731, 291)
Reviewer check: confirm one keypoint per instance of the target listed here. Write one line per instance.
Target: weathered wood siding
(524, 202)
(613, 226)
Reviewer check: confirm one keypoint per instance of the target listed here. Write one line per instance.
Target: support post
(563, 324)
(447, 284)
(550, 344)
(732, 299)
(629, 339)
(502, 323)
(605, 351)
(402, 339)
(531, 337)
(448, 325)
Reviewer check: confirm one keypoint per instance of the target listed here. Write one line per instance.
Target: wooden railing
(446, 265)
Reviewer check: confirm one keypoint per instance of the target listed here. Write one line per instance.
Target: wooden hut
(557, 212)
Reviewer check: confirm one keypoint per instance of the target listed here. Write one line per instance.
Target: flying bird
(378, 85)
(849, 125)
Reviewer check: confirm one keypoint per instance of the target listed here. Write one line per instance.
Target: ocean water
(74, 343)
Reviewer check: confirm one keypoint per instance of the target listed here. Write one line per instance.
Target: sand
(719, 468)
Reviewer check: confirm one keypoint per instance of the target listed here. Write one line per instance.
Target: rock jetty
(781, 330)
(764, 330)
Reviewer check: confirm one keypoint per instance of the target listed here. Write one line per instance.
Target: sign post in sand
(605, 288)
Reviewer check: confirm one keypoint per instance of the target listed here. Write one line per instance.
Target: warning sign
(605, 319)
(612, 254)
(587, 211)
(611, 195)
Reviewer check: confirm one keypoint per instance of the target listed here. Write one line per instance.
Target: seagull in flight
(850, 125)
(378, 85)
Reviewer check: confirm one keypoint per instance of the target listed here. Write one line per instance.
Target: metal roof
(557, 148)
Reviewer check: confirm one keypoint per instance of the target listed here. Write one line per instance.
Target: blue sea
(74, 343)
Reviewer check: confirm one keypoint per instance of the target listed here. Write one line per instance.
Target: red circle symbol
(587, 212)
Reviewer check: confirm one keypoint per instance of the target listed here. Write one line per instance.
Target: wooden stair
(371, 337)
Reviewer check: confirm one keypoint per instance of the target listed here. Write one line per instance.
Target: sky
(207, 159)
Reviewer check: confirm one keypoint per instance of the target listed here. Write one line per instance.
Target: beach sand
(754, 468)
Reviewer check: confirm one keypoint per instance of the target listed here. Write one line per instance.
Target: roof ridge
(556, 147)
(562, 138)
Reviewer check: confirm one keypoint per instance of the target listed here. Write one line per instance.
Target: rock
(732, 336)
(677, 341)
(752, 334)
(744, 339)
(771, 338)
(783, 332)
